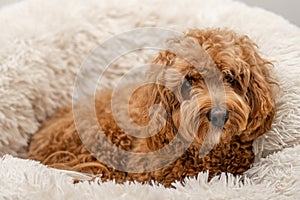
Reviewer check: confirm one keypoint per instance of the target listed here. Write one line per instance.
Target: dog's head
(212, 84)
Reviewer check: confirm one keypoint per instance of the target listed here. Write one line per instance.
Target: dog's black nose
(218, 116)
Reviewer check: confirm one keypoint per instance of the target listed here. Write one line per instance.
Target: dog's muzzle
(218, 116)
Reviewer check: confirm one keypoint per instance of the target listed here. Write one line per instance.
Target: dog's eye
(191, 80)
(186, 87)
(188, 82)
(229, 78)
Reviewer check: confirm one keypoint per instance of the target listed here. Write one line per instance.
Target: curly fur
(249, 98)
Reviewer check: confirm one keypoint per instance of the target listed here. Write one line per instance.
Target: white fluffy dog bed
(43, 44)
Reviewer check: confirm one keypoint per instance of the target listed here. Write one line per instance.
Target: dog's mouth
(210, 126)
(229, 124)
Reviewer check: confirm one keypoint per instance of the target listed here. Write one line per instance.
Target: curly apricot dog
(219, 122)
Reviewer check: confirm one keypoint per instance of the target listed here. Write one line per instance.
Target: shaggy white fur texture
(275, 177)
(43, 44)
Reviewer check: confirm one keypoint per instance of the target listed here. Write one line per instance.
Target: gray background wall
(287, 8)
(5, 2)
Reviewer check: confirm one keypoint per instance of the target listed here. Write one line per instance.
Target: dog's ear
(160, 94)
(260, 94)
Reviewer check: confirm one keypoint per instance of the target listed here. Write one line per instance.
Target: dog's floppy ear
(159, 93)
(260, 94)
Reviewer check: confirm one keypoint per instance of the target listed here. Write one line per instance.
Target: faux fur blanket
(44, 43)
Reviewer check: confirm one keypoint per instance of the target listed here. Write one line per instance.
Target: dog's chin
(209, 135)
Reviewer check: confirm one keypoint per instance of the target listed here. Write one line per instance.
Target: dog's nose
(218, 116)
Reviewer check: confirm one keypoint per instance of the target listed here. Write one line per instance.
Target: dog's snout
(218, 116)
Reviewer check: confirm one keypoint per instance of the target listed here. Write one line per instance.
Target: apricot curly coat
(247, 111)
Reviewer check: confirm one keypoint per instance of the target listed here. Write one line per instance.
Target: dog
(214, 101)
